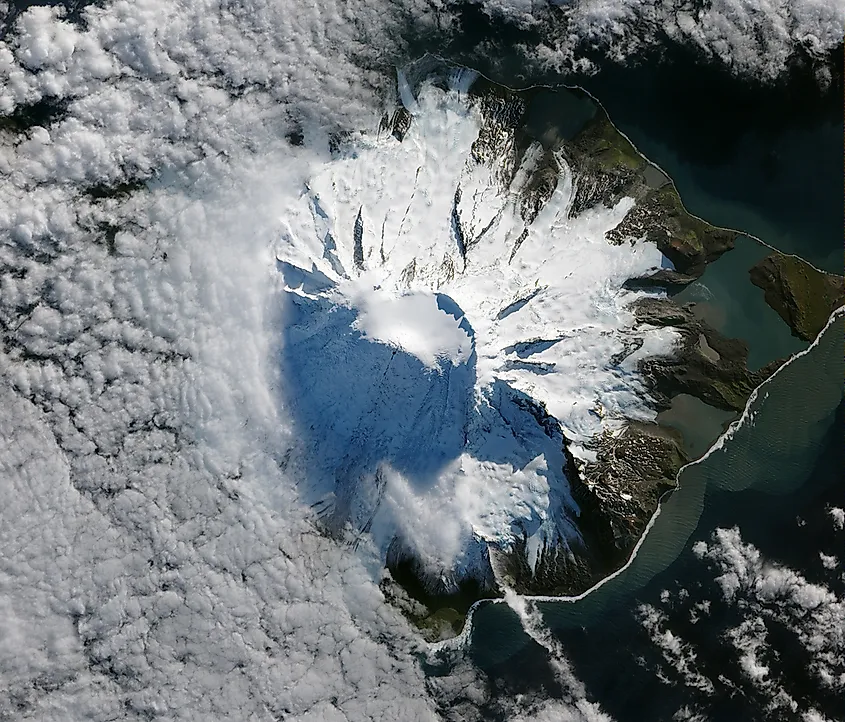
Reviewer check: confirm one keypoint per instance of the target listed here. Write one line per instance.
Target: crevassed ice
(434, 360)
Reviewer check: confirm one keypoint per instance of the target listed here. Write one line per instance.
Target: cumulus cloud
(678, 654)
(686, 714)
(468, 695)
(750, 37)
(764, 617)
(813, 716)
(143, 572)
(157, 558)
(828, 560)
(812, 612)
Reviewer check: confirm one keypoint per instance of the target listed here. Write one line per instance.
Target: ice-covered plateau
(477, 337)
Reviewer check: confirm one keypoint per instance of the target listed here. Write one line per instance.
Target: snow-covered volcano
(449, 328)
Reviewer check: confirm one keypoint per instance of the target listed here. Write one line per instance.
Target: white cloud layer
(143, 572)
(771, 616)
(814, 613)
(753, 37)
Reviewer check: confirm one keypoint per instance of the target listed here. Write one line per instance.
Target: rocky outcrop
(396, 124)
(634, 467)
(438, 613)
(705, 364)
(803, 296)
(608, 168)
(619, 493)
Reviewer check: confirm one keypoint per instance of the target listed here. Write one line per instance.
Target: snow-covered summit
(442, 344)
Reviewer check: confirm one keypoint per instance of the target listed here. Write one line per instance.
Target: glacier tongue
(441, 345)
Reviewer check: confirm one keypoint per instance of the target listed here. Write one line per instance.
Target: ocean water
(767, 161)
(764, 159)
(781, 182)
(725, 298)
(769, 479)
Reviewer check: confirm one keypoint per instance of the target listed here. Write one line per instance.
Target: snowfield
(436, 355)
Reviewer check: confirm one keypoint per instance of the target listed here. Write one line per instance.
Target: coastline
(462, 639)
(624, 472)
(731, 428)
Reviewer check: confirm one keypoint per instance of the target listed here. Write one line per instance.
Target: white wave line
(747, 415)
(532, 623)
(558, 86)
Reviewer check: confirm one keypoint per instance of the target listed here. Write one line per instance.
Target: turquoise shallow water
(727, 300)
(772, 453)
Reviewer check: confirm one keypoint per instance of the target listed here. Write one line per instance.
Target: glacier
(450, 333)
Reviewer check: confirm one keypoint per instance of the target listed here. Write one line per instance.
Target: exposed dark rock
(607, 168)
(803, 296)
(43, 113)
(539, 188)
(619, 493)
(122, 189)
(606, 165)
(688, 242)
(502, 140)
(437, 610)
(358, 239)
(400, 123)
(665, 278)
(559, 571)
(337, 140)
(706, 364)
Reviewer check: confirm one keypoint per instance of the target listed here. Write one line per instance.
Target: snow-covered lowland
(174, 321)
